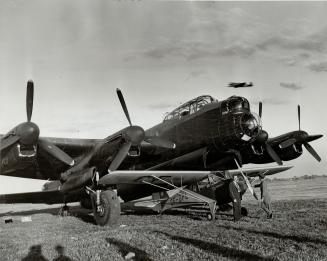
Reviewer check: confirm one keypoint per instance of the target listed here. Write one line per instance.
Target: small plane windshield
(190, 107)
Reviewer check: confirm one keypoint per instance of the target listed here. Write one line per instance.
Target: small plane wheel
(209, 216)
(108, 212)
(244, 212)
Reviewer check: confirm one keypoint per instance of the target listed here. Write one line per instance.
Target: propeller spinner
(302, 137)
(133, 136)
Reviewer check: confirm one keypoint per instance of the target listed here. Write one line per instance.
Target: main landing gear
(106, 206)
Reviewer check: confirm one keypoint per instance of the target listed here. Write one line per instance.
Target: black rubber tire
(111, 209)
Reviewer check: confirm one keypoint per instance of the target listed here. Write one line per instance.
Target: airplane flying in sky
(240, 84)
(200, 139)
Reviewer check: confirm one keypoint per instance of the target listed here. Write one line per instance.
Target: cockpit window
(190, 107)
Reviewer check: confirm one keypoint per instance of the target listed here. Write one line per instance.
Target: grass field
(296, 232)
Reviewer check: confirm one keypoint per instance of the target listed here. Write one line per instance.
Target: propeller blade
(247, 181)
(312, 151)
(260, 109)
(273, 154)
(287, 143)
(120, 156)
(160, 142)
(123, 104)
(313, 137)
(299, 116)
(9, 141)
(29, 99)
(56, 152)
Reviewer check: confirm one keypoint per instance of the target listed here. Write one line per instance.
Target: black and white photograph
(163, 130)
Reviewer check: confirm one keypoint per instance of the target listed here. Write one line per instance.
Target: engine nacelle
(78, 180)
(291, 152)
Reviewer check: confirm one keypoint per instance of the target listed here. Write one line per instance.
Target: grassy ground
(296, 232)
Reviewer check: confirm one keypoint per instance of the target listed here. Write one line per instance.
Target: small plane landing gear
(209, 216)
(64, 211)
(106, 208)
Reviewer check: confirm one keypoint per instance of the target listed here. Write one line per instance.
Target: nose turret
(250, 125)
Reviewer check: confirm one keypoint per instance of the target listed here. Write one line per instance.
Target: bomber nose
(28, 132)
(250, 125)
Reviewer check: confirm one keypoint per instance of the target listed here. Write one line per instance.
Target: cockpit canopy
(234, 104)
(190, 107)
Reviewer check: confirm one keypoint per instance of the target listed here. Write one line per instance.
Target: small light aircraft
(164, 166)
(240, 84)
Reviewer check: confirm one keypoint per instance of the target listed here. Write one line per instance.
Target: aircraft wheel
(108, 212)
(244, 212)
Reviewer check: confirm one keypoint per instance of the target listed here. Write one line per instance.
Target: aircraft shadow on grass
(125, 248)
(299, 239)
(215, 248)
(35, 254)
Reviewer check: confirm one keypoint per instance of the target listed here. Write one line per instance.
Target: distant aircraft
(200, 139)
(240, 84)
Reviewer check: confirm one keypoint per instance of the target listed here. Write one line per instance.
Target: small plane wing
(254, 172)
(153, 176)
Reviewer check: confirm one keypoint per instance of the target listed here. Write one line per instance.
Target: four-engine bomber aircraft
(200, 139)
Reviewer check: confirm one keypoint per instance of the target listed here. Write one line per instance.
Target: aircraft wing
(254, 172)
(42, 197)
(153, 177)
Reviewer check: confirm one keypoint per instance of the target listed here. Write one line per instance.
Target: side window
(185, 111)
(192, 107)
(202, 103)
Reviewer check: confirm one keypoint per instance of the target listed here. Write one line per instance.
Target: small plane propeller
(302, 137)
(263, 139)
(27, 133)
(133, 136)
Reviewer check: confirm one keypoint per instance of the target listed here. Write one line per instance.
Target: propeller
(263, 139)
(301, 137)
(299, 115)
(27, 133)
(29, 99)
(260, 109)
(133, 136)
(247, 181)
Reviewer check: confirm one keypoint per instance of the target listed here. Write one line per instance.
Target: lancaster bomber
(161, 167)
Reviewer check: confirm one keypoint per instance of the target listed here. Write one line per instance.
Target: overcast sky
(162, 54)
